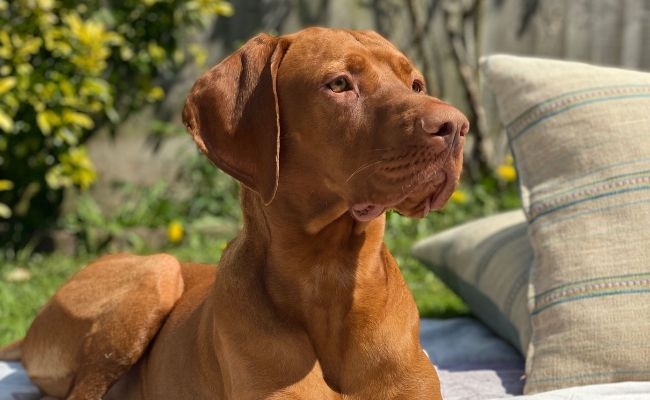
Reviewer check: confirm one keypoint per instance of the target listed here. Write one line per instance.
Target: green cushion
(486, 262)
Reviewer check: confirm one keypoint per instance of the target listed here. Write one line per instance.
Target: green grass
(20, 300)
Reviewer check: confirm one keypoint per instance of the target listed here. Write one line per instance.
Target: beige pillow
(580, 135)
(486, 262)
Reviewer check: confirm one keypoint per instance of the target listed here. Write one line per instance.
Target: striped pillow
(580, 135)
(487, 263)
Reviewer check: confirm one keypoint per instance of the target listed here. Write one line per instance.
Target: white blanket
(609, 391)
(14, 384)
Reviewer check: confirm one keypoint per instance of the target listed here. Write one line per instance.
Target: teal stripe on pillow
(613, 187)
(566, 102)
(590, 288)
(535, 111)
(544, 196)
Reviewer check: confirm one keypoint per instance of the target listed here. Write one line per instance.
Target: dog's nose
(448, 121)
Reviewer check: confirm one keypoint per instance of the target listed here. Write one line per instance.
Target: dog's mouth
(366, 211)
(417, 206)
(425, 198)
(413, 183)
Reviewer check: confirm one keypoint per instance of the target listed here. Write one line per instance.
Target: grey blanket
(473, 364)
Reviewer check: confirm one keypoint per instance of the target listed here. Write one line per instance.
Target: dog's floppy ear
(232, 113)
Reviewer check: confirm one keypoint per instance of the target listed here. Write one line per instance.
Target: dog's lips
(436, 194)
(433, 194)
(437, 200)
(365, 212)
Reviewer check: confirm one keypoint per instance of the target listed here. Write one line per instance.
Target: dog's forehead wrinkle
(367, 65)
(356, 62)
(403, 70)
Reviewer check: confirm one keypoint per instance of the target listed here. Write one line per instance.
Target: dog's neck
(319, 219)
(324, 271)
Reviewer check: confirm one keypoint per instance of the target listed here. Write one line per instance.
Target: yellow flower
(506, 173)
(5, 185)
(175, 232)
(459, 197)
(155, 93)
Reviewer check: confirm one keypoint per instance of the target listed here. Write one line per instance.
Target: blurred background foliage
(66, 69)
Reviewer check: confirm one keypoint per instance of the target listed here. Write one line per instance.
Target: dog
(325, 129)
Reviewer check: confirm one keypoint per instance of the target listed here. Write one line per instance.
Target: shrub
(67, 68)
(204, 207)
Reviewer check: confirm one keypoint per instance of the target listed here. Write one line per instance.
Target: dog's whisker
(363, 167)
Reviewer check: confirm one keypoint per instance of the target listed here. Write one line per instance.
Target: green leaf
(5, 211)
(46, 120)
(6, 122)
(77, 118)
(6, 84)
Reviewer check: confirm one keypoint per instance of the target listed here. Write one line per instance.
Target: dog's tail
(12, 351)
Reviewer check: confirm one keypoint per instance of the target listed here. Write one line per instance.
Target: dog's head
(334, 109)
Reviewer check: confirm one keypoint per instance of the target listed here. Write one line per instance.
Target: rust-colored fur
(325, 129)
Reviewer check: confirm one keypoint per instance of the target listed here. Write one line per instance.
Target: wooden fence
(447, 37)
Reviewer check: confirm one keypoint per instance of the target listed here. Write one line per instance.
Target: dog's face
(335, 110)
(355, 117)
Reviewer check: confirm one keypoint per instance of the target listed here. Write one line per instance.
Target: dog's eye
(339, 85)
(417, 86)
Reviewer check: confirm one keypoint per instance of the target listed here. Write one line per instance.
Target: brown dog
(325, 129)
